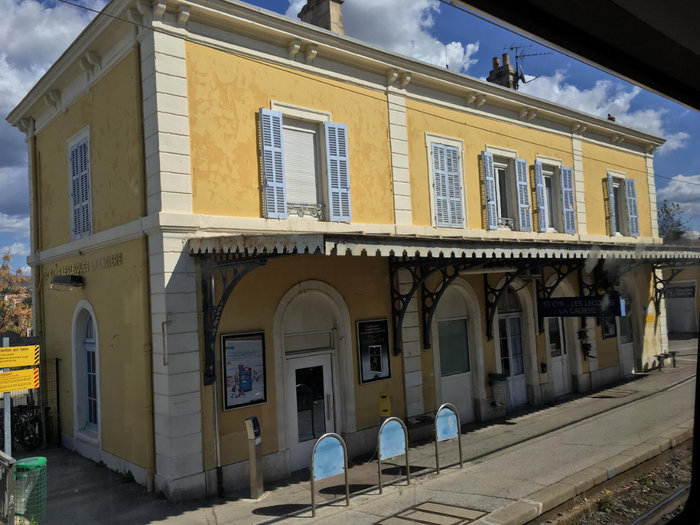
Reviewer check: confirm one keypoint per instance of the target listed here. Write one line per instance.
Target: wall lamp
(67, 282)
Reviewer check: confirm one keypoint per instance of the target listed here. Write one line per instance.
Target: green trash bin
(30, 488)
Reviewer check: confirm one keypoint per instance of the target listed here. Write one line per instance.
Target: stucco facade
(213, 140)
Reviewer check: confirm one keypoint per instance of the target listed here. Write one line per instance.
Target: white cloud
(685, 191)
(14, 224)
(404, 27)
(607, 97)
(18, 251)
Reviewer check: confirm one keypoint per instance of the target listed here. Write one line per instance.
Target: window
(507, 190)
(79, 191)
(626, 321)
(86, 374)
(554, 187)
(90, 376)
(305, 168)
(622, 205)
(454, 350)
(447, 192)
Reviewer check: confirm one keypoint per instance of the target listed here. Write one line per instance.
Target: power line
(382, 99)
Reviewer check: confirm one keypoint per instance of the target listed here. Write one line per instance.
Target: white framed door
(310, 405)
(454, 366)
(558, 356)
(625, 339)
(512, 361)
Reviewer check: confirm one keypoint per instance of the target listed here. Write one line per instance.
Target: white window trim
(556, 165)
(502, 152)
(430, 138)
(70, 144)
(621, 221)
(298, 112)
(91, 437)
(549, 161)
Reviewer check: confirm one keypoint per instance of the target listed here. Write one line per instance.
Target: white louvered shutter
(611, 205)
(339, 204)
(632, 213)
(454, 186)
(80, 189)
(542, 212)
(524, 217)
(272, 150)
(568, 205)
(490, 190)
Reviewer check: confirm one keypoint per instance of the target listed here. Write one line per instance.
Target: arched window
(90, 375)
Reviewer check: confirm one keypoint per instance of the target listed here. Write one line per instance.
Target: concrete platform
(515, 468)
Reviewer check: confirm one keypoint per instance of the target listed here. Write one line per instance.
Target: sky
(34, 34)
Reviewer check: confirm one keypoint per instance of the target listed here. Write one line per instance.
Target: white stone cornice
(293, 47)
(26, 126)
(53, 98)
(404, 79)
(480, 100)
(579, 128)
(391, 76)
(183, 15)
(159, 7)
(310, 52)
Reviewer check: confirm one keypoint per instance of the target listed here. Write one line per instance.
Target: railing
(7, 489)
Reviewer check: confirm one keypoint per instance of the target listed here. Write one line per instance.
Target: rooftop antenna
(520, 53)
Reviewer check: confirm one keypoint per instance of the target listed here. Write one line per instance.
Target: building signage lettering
(80, 268)
(679, 292)
(606, 305)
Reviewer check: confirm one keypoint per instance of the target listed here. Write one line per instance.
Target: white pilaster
(653, 210)
(579, 186)
(410, 337)
(398, 138)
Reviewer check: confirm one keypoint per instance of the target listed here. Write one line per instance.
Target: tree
(15, 299)
(672, 224)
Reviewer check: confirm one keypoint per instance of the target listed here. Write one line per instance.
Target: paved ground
(514, 469)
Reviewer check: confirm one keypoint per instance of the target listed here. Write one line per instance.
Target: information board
(16, 356)
(19, 380)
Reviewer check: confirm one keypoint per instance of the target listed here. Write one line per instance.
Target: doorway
(510, 335)
(558, 356)
(310, 405)
(452, 360)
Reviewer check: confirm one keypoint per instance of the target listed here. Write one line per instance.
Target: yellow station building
(236, 214)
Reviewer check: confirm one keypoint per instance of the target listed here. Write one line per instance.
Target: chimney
(327, 14)
(503, 75)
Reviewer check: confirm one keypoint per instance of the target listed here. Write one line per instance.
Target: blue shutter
(80, 189)
(442, 215)
(454, 186)
(524, 218)
(490, 190)
(272, 150)
(567, 199)
(541, 199)
(338, 172)
(632, 213)
(611, 204)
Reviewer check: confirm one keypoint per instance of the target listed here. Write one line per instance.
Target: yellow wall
(476, 132)
(116, 285)
(112, 108)
(362, 282)
(597, 160)
(225, 94)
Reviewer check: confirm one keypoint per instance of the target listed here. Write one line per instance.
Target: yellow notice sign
(19, 380)
(14, 356)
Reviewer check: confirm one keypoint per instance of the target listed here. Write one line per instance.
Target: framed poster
(243, 361)
(373, 349)
(609, 328)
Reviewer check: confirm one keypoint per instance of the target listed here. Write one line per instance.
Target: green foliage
(15, 300)
(607, 503)
(672, 224)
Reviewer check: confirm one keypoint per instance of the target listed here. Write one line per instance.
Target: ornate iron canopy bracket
(430, 299)
(493, 294)
(420, 270)
(230, 274)
(545, 291)
(660, 285)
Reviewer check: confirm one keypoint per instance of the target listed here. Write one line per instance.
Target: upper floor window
(507, 191)
(554, 187)
(305, 167)
(447, 186)
(622, 205)
(79, 170)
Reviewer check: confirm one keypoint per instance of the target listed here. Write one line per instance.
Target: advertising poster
(244, 369)
(373, 345)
